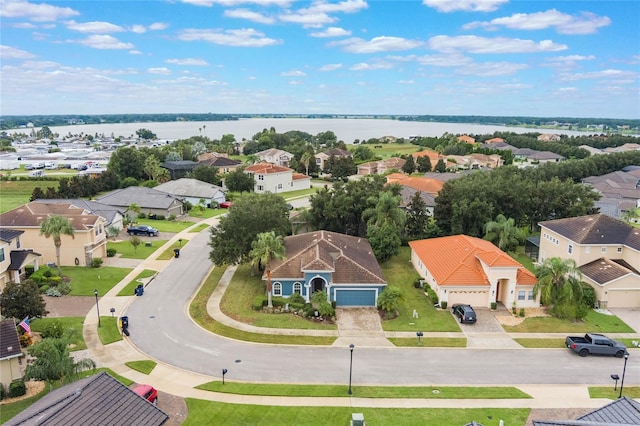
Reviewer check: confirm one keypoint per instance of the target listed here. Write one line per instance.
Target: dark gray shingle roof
(595, 229)
(7, 235)
(9, 343)
(142, 196)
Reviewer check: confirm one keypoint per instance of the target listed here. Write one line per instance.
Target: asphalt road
(160, 327)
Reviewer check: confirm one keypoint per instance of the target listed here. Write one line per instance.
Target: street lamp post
(624, 370)
(351, 346)
(95, 292)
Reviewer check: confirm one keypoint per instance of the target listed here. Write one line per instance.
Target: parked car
(142, 230)
(148, 392)
(596, 344)
(226, 204)
(465, 313)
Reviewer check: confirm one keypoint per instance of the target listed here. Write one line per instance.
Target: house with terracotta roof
(380, 167)
(10, 353)
(433, 156)
(466, 139)
(463, 269)
(89, 240)
(428, 185)
(494, 140)
(14, 258)
(276, 179)
(341, 265)
(606, 250)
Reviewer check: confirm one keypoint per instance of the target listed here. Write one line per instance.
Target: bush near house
(17, 388)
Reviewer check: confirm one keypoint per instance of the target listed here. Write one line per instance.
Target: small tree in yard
(135, 242)
(267, 247)
(54, 227)
(22, 300)
(390, 300)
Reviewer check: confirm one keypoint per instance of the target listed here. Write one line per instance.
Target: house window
(2, 254)
(260, 177)
(619, 249)
(603, 250)
(297, 288)
(279, 186)
(277, 289)
(531, 295)
(260, 188)
(587, 249)
(18, 243)
(318, 161)
(570, 249)
(521, 295)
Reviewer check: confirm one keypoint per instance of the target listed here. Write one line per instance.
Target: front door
(317, 284)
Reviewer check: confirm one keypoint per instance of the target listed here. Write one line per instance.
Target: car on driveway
(142, 230)
(226, 204)
(465, 313)
(148, 392)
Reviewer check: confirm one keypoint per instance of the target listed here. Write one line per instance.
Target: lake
(346, 130)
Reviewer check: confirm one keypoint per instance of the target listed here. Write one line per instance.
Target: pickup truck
(596, 344)
(142, 230)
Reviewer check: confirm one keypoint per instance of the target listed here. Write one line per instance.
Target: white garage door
(469, 297)
(623, 298)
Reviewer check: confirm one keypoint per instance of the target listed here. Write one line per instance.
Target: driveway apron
(361, 327)
(487, 333)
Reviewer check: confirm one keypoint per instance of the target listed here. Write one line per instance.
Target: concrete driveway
(631, 316)
(487, 331)
(361, 327)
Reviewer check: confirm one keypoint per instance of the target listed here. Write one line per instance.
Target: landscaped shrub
(96, 262)
(64, 288)
(308, 310)
(296, 298)
(443, 304)
(160, 217)
(28, 270)
(418, 283)
(296, 306)
(52, 291)
(259, 302)
(25, 340)
(278, 302)
(17, 388)
(44, 288)
(2, 391)
(111, 252)
(172, 217)
(55, 281)
(522, 312)
(432, 295)
(142, 215)
(326, 310)
(53, 329)
(494, 306)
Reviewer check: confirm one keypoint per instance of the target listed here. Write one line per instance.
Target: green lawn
(238, 299)
(85, 280)
(340, 391)
(202, 412)
(144, 367)
(200, 228)
(174, 226)
(205, 214)
(399, 272)
(430, 342)
(109, 332)
(169, 252)
(524, 260)
(17, 193)
(608, 392)
(594, 322)
(67, 323)
(128, 290)
(127, 251)
(541, 343)
(198, 311)
(393, 149)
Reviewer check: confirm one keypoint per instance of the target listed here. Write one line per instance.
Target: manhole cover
(238, 361)
(152, 316)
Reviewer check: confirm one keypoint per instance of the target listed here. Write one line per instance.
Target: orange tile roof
(266, 168)
(467, 139)
(428, 185)
(433, 156)
(455, 260)
(300, 176)
(494, 140)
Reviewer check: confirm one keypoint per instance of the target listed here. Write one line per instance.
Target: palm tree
(54, 227)
(504, 232)
(267, 247)
(559, 282)
(386, 210)
(305, 160)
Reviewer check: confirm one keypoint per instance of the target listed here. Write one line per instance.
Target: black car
(465, 313)
(142, 230)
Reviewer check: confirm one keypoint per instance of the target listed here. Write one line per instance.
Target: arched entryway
(317, 284)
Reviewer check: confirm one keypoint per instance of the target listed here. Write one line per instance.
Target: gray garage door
(355, 298)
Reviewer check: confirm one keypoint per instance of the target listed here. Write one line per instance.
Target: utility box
(357, 419)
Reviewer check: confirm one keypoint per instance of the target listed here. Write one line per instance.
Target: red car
(148, 392)
(226, 204)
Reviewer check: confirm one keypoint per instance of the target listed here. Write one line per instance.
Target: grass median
(594, 322)
(145, 367)
(129, 289)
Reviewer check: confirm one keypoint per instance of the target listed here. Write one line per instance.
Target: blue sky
(441, 57)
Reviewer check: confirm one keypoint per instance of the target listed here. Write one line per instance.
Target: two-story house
(89, 240)
(606, 250)
(275, 156)
(323, 157)
(14, 258)
(276, 179)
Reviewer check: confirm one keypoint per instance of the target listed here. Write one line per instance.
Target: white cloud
(295, 82)
(293, 73)
(475, 44)
(246, 37)
(105, 42)
(348, 6)
(454, 60)
(364, 66)
(161, 71)
(232, 3)
(157, 26)
(491, 69)
(608, 73)
(25, 25)
(331, 32)
(138, 29)
(307, 19)
(465, 5)
(406, 81)
(572, 58)
(584, 23)
(187, 61)
(376, 44)
(7, 52)
(35, 12)
(249, 15)
(95, 27)
(330, 67)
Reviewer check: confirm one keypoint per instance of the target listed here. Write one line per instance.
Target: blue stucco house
(341, 265)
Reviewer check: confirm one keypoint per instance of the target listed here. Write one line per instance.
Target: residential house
(96, 400)
(463, 269)
(433, 157)
(193, 191)
(150, 200)
(381, 167)
(10, 353)
(275, 156)
(13, 258)
(494, 140)
(466, 139)
(447, 176)
(430, 186)
(88, 242)
(407, 193)
(323, 157)
(113, 216)
(221, 162)
(549, 138)
(623, 411)
(529, 157)
(623, 148)
(620, 191)
(276, 179)
(179, 169)
(606, 250)
(500, 145)
(343, 266)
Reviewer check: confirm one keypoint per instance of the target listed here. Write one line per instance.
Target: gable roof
(349, 259)
(95, 400)
(603, 271)
(407, 194)
(271, 152)
(455, 260)
(9, 342)
(20, 257)
(266, 168)
(144, 197)
(8, 235)
(185, 187)
(106, 211)
(32, 214)
(595, 229)
(428, 185)
(622, 411)
(179, 165)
